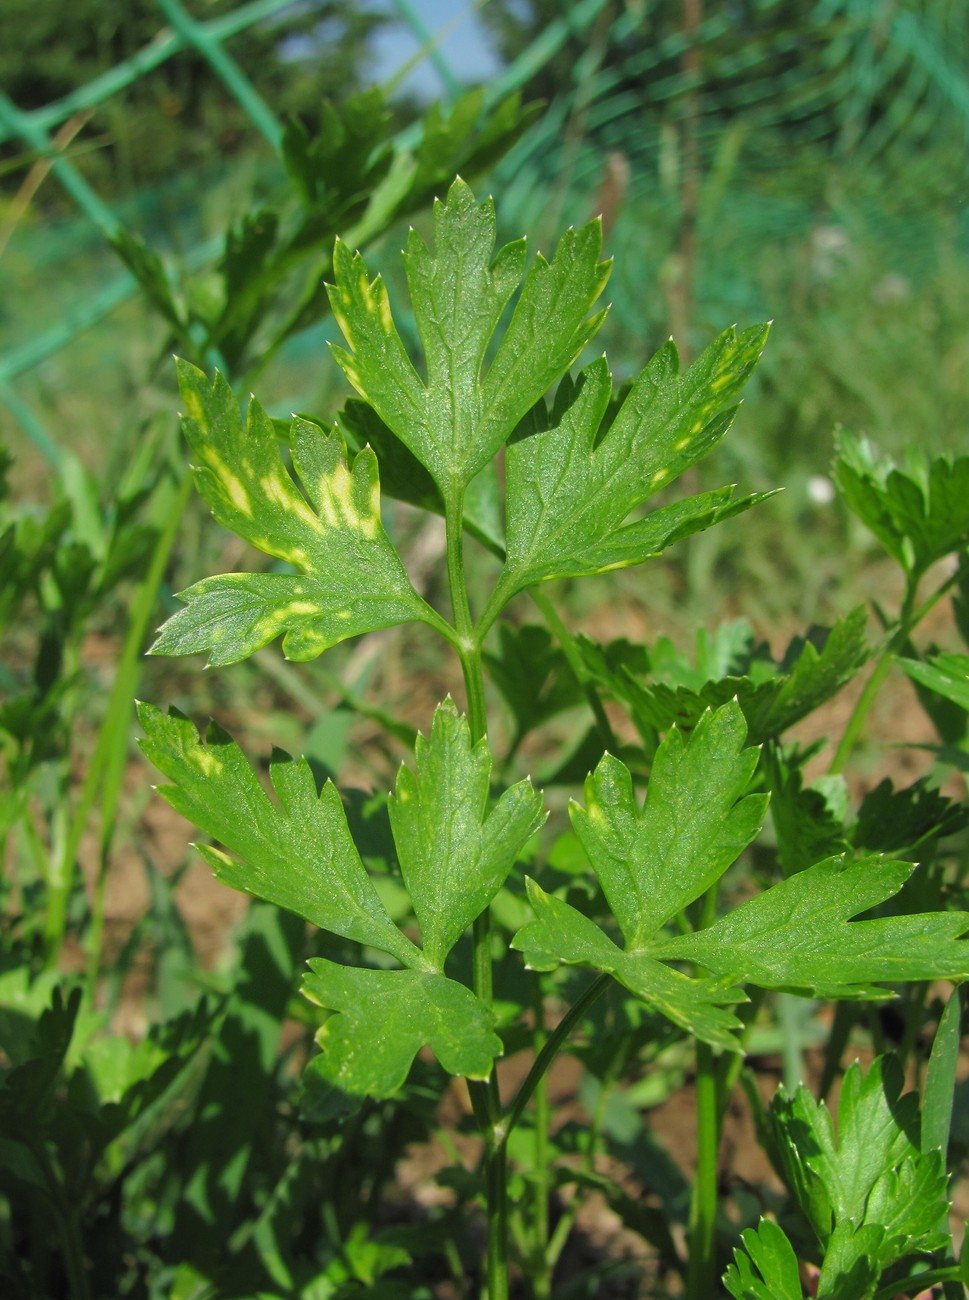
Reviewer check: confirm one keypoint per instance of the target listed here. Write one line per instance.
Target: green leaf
(350, 580)
(462, 139)
(456, 422)
(571, 485)
(28, 548)
(812, 670)
(561, 935)
(379, 185)
(344, 158)
(919, 513)
(772, 1255)
(850, 1265)
(652, 862)
(249, 279)
(870, 1194)
(906, 821)
(946, 674)
(940, 1078)
(455, 853)
(911, 1203)
(27, 1085)
(798, 935)
(149, 270)
(403, 477)
(533, 675)
(876, 1132)
(808, 820)
(386, 1017)
(299, 855)
(772, 696)
(650, 537)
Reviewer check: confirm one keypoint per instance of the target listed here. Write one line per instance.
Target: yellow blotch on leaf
(193, 406)
(338, 508)
(595, 814)
(237, 493)
(272, 624)
(382, 303)
(207, 763)
(232, 486)
(278, 489)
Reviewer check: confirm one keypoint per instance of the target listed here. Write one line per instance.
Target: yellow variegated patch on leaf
(571, 486)
(456, 421)
(350, 578)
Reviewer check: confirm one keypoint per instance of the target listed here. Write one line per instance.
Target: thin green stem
(469, 651)
(501, 594)
(909, 619)
(486, 1100)
(570, 1212)
(852, 732)
(567, 641)
(702, 1263)
(702, 1268)
(916, 997)
(468, 642)
(457, 584)
(731, 1063)
(545, 1057)
(787, 1007)
(496, 1191)
(540, 1272)
(845, 1016)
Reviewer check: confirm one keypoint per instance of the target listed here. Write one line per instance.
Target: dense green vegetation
(769, 716)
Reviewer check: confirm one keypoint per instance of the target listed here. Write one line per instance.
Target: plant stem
(485, 1097)
(533, 1085)
(701, 1272)
(540, 1271)
(496, 1193)
(701, 1232)
(570, 1212)
(845, 1015)
(468, 643)
(856, 722)
(908, 620)
(552, 1044)
(567, 641)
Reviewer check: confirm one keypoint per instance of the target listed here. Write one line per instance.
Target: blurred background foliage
(179, 117)
(800, 160)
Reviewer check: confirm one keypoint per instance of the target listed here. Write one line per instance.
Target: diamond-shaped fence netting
(174, 174)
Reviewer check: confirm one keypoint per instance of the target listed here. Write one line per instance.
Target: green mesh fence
(84, 241)
(734, 122)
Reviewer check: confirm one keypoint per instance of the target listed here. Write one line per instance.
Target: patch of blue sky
(462, 54)
(435, 47)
